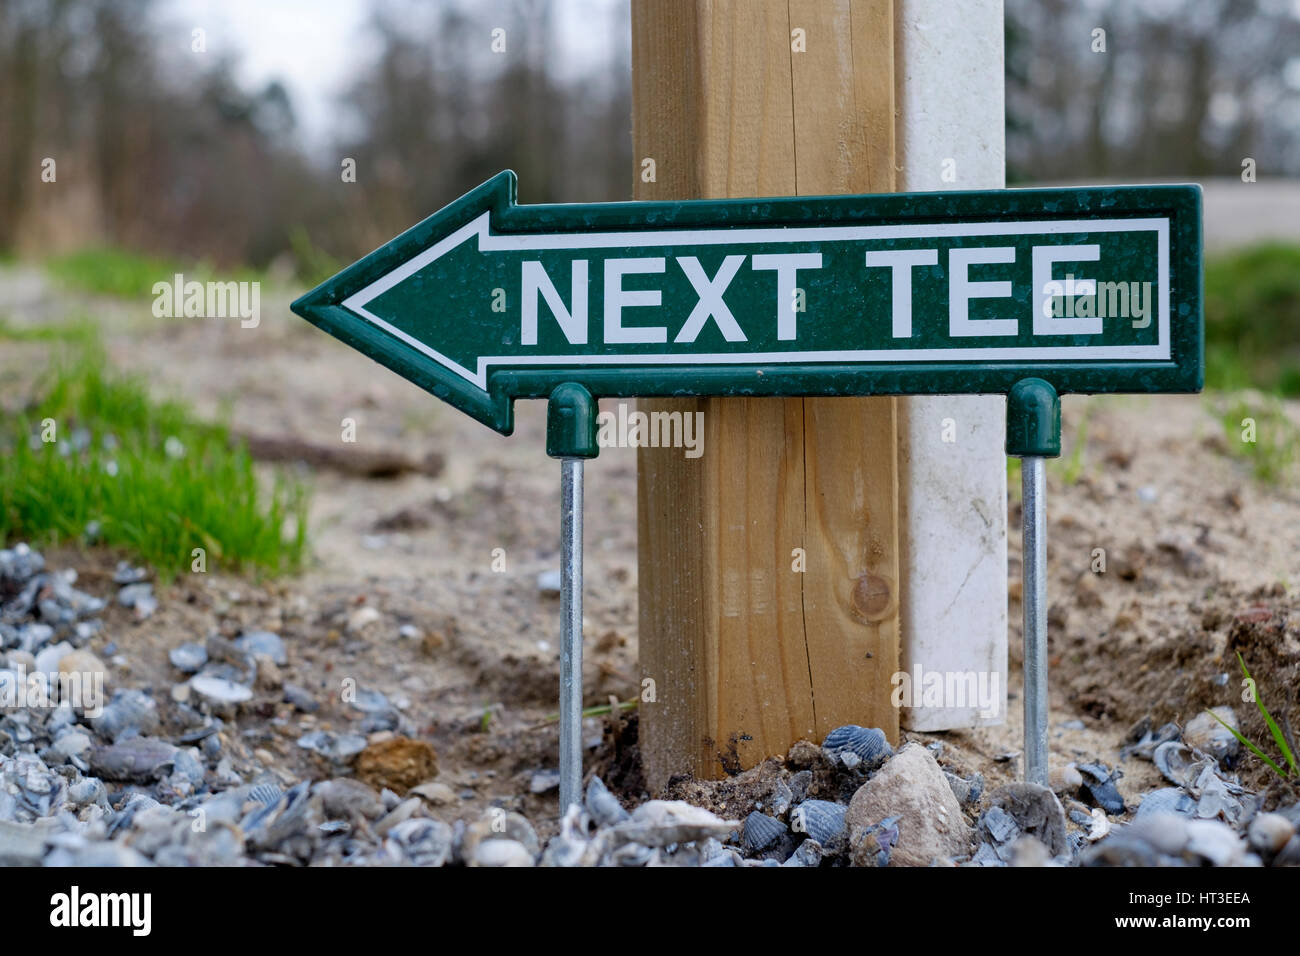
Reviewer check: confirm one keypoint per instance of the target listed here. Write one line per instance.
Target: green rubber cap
(571, 423)
(1033, 420)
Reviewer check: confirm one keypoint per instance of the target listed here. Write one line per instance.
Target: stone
(501, 853)
(912, 787)
(435, 793)
(345, 799)
(362, 618)
(269, 677)
(84, 663)
(220, 694)
(1269, 832)
(1037, 812)
(254, 643)
(188, 658)
(398, 763)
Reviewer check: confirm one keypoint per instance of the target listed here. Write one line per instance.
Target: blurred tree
(1183, 88)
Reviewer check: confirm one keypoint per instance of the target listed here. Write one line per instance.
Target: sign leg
(1033, 531)
(1033, 436)
(570, 633)
(571, 437)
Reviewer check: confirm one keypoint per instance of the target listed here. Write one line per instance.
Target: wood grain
(747, 654)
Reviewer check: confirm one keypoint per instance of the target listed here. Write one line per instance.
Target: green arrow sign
(486, 301)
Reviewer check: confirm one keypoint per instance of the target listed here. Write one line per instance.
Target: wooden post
(769, 576)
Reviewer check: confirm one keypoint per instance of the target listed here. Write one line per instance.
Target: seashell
(1216, 796)
(967, 791)
(1177, 762)
(780, 799)
(808, 853)
(852, 746)
(188, 658)
(1144, 740)
(188, 767)
(339, 747)
(1099, 826)
(1269, 833)
(799, 784)
(1100, 785)
(822, 821)
(603, 806)
(1167, 800)
(286, 825)
(266, 794)
(130, 712)
(254, 643)
(1205, 734)
(761, 832)
(661, 823)
(875, 844)
(1037, 813)
(570, 847)
(424, 842)
(88, 790)
(136, 760)
(632, 854)
(220, 693)
(1000, 826)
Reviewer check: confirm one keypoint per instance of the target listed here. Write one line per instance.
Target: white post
(953, 522)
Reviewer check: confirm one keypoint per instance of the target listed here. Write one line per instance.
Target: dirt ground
(1201, 562)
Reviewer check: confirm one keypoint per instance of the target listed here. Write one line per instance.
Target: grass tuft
(129, 472)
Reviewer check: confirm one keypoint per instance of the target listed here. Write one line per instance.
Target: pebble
(1037, 813)
(139, 598)
(137, 759)
(84, 663)
(438, 794)
(188, 658)
(549, 583)
(544, 781)
(501, 853)
(1269, 832)
(266, 643)
(362, 618)
(220, 693)
(912, 787)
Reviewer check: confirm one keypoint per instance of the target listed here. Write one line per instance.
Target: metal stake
(570, 632)
(1033, 531)
(1033, 436)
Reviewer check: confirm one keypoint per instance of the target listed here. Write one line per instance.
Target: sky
(314, 47)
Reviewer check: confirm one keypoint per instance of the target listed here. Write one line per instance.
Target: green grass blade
(1273, 728)
(1253, 749)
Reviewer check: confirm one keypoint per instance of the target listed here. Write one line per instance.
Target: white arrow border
(489, 242)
